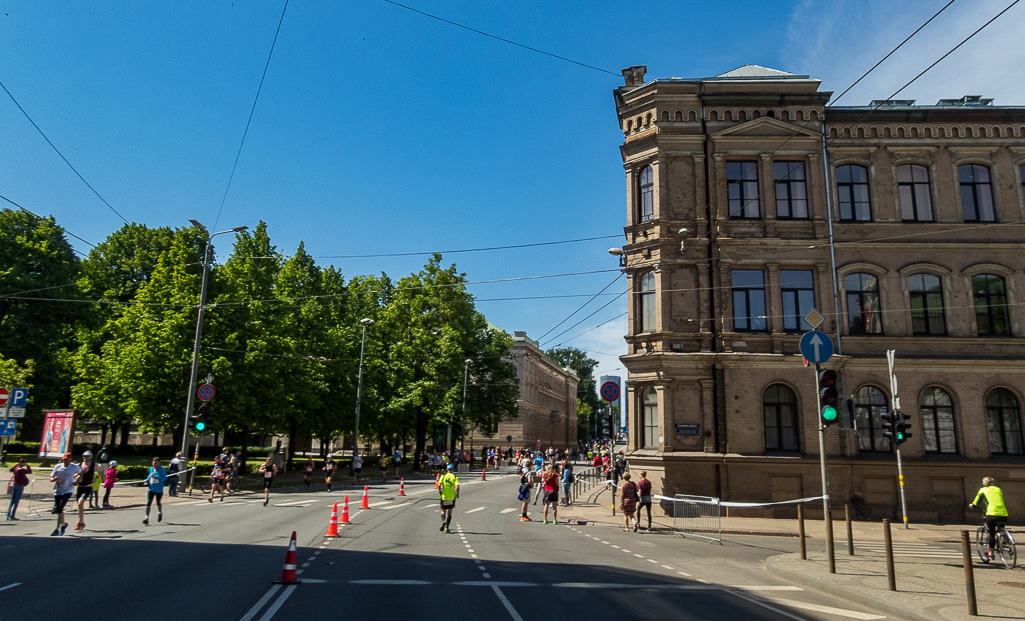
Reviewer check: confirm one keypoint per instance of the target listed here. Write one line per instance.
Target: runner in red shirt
(551, 497)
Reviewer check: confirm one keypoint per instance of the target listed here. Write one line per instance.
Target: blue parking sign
(8, 427)
(19, 397)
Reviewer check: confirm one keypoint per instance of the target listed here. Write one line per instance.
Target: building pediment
(766, 126)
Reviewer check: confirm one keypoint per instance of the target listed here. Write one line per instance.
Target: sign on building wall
(687, 429)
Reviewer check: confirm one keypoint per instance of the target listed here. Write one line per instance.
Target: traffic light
(203, 420)
(194, 423)
(828, 396)
(889, 422)
(900, 428)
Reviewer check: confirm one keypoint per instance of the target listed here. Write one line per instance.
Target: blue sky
(379, 130)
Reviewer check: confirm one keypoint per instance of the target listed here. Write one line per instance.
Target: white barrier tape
(144, 481)
(753, 504)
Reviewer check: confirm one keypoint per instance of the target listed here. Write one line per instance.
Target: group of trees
(111, 335)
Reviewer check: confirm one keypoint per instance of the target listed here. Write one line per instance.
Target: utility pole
(208, 252)
(895, 407)
(462, 430)
(366, 322)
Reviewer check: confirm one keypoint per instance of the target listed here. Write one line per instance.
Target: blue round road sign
(206, 392)
(816, 347)
(610, 391)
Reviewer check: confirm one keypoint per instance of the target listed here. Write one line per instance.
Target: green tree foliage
(493, 386)
(36, 261)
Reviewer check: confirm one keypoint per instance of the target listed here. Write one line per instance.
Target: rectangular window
(791, 191)
(990, 305)
(976, 193)
(852, 193)
(915, 198)
(798, 289)
(742, 189)
(863, 315)
(749, 301)
(926, 294)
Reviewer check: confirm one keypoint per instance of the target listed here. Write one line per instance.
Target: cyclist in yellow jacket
(996, 511)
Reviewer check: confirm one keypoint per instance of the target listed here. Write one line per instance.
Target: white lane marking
(473, 556)
(478, 562)
(509, 510)
(481, 567)
(703, 581)
(651, 560)
(391, 582)
(486, 575)
(260, 603)
(479, 509)
(9, 586)
(267, 616)
(306, 564)
(627, 551)
(842, 612)
(683, 573)
(470, 550)
(505, 602)
(306, 502)
(638, 555)
(759, 602)
(606, 543)
(467, 545)
(394, 506)
(617, 547)
(667, 567)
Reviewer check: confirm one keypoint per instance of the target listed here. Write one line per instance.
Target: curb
(830, 588)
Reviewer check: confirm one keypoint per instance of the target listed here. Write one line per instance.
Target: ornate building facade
(751, 201)
(547, 403)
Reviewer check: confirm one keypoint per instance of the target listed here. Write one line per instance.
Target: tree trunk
(103, 435)
(292, 434)
(421, 431)
(126, 428)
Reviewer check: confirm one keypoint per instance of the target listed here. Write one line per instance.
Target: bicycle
(1005, 549)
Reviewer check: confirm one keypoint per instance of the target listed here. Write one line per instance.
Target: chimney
(634, 76)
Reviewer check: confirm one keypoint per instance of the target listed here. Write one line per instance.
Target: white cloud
(838, 41)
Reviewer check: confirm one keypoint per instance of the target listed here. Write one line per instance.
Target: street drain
(1020, 585)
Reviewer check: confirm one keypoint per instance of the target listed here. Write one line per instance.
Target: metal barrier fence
(34, 498)
(697, 516)
(587, 478)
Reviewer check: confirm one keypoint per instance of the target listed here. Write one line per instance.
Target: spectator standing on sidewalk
(155, 479)
(526, 482)
(63, 475)
(644, 491)
(627, 499)
(108, 484)
(567, 482)
(21, 472)
(172, 474)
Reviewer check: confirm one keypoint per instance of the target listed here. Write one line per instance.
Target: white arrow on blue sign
(816, 347)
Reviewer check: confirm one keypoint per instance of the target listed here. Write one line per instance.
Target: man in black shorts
(63, 475)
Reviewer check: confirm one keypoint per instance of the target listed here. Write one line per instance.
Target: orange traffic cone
(437, 481)
(288, 571)
(484, 474)
(402, 486)
(345, 510)
(366, 500)
(332, 525)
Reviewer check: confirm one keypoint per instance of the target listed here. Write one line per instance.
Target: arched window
(649, 417)
(1003, 421)
(926, 304)
(863, 316)
(915, 197)
(937, 411)
(646, 193)
(647, 302)
(976, 193)
(852, 193)
(869, 406)
(991, 315)
(779, 405)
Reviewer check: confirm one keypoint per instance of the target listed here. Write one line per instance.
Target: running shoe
(442, 529)
(524, 518)
(160, 517)
(546, 521)
(55, 532)
(64, 528)
(146, 521)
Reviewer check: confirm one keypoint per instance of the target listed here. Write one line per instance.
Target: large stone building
(749, 202)
(547, 403)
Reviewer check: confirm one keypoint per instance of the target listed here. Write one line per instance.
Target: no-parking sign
(610, 391)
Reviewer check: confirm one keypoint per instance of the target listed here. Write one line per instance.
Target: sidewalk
(930, 579)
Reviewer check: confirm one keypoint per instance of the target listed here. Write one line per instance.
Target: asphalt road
(219, 561)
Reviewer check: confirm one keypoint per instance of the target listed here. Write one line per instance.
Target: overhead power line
(251, 112)
(61, 155)
(582, 306)
(427, 253)
(498, 38)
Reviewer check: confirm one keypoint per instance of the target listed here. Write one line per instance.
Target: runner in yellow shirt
(448, 487)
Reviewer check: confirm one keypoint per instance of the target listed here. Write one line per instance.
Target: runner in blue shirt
(155, 480)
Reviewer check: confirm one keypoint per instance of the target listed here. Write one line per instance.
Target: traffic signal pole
(895, 407)
(822, 467)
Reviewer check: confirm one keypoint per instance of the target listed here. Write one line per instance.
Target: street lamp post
(462, 431)
(366, 323)
(207, 259)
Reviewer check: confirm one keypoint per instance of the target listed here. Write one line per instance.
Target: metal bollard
(891, 579)
(850, 531)
(800, 532)
(830, 548)
(969, 573)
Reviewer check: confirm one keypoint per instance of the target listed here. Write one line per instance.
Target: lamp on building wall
(618, 252)
(682, 241)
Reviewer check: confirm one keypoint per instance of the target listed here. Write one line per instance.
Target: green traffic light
(900, 437)
(200, 425)
(829, 414)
